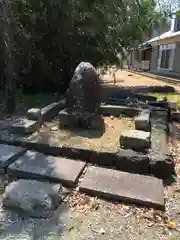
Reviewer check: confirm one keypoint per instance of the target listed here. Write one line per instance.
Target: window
(165, 56)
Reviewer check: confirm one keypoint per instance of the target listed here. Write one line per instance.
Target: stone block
(142, 122)
(80, 120)
(135, 139)
(130, 161)
(175, 116)
(34, 114)
(35, 165)
(162, 166)
(113, 110)
(25, 126)
(37, 199)
(52, 110)
(8, 155)
(117, 185)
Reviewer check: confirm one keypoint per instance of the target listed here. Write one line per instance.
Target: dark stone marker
(116, 185)
(8, 155)
(83, 100)
(84, 93)
(35, 165)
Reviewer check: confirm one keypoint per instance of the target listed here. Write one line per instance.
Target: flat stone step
(135, 139)
(142, 122)
(8, 154)
(24, 126)
(35, 165)
(117, 185)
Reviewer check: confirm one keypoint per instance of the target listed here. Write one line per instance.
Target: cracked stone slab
(117, 185)
(8, 155)
(135, 139)
(35, 165)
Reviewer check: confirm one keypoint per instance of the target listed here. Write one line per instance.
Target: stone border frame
(156, 162)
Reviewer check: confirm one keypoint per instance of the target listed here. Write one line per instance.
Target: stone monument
(83, 99)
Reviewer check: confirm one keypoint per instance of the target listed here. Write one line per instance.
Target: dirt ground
(127, 79)
(108, 140)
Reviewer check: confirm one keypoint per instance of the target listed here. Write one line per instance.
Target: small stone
(54, 128)
(37, 199)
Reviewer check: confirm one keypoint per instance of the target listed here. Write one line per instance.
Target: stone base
(80, 120)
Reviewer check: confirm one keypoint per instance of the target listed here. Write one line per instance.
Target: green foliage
(53, 36)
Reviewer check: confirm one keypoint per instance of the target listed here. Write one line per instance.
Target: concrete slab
(8, 154)
(142, 122)
(25, 126)
(35, 165)
(116, 185)
(135, 139)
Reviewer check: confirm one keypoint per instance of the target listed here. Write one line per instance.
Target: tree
(7, 50)
(52, 36)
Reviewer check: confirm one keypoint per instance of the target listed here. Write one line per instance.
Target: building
(161, 53)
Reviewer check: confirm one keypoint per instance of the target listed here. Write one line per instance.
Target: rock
(135, 139)
(84, 89)
(37, 199)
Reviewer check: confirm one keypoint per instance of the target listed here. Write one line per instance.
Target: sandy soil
(126, 79)
(88, 139)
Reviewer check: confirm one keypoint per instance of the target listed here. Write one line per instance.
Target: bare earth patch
(87, 139)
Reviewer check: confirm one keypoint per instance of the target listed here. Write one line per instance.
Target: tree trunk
(7, 49)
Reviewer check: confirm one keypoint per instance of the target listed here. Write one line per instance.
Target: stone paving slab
(8, 154)
(135, 139)
(117, 185)
(35, 165)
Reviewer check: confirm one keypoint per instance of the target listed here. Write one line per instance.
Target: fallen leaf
(71, 228)
(171, 225)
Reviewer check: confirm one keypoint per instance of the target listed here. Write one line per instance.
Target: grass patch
(173, 97)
